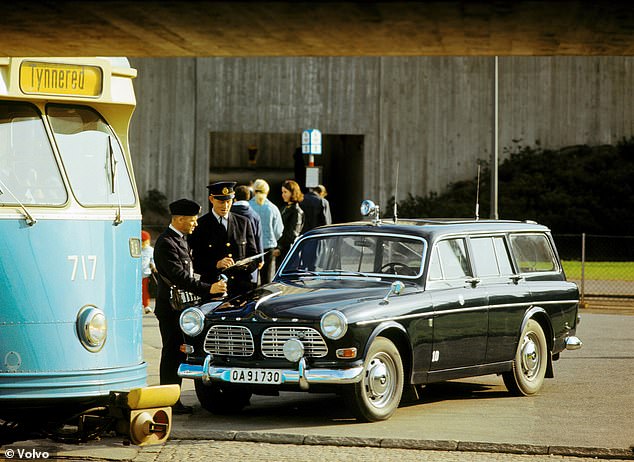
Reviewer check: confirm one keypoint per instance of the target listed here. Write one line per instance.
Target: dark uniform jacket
(173, 262)
(210, 243)
(316, 211)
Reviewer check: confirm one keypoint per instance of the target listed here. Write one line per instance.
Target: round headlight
(192, 321)
(334, 325)
(92, 328)
(293, 350)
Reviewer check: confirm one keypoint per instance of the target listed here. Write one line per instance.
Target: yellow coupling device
(145, 414)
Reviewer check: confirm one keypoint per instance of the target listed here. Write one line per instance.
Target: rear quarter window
(533, 253)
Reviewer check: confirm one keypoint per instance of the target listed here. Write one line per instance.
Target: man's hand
(219, 287)
(225, 263)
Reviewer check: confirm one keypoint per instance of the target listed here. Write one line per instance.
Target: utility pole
(494, 151)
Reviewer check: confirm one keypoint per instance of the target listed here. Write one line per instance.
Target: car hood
(307, 299)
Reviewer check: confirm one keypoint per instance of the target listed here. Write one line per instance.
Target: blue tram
(70, 224)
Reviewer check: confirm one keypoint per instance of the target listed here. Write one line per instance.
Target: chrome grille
(229, 341)
(273, 340)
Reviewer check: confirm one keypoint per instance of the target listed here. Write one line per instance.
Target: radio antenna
(396, 192)
(477, 206)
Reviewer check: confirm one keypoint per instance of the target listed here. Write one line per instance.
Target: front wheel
(221, 400)
(378, 394)
(531, 357)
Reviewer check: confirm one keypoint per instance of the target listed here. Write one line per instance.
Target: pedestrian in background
(147, 268)
(316, 210)
(272, 227)
(292, 218)
(174, 266)
(242, 207)
(221, 239)
(321, 190)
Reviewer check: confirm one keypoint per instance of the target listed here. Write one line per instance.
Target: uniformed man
(173, 263)
(222, 239)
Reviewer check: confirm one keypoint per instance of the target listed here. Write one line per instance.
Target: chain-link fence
(602, 267)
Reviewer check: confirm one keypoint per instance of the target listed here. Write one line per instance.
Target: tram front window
(91, 155)
(28, 171)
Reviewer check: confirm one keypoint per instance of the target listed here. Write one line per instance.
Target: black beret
(222, 190)
(186, 207)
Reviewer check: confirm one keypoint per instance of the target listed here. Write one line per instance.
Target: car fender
(399, 336)
(541, 316)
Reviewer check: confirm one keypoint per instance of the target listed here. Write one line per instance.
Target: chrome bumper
(573, 343)
(302, 376)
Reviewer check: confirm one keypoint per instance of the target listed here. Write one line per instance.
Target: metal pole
(494, 150)
(583, 270)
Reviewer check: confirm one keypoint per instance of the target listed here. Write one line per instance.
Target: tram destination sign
(60, 79)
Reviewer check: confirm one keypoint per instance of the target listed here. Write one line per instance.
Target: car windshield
(357, 255)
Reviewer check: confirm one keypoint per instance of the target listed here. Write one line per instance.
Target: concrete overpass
(362, 28)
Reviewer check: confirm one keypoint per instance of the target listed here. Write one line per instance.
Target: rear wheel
(378, 394)
(531, 357)
(217, 399)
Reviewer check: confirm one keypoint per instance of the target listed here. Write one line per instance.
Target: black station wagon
(372, 309)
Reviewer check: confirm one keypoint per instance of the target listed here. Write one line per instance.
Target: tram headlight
(192, 321)
(92, 328)
(334, 324)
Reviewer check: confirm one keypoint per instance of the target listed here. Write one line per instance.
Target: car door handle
(516, 278)
(473, 281)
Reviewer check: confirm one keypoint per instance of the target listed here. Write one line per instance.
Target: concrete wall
(434, 115)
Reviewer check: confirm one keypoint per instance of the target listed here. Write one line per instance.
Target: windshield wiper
(345, 273)
(301, 272)
(27, 216)
(113, 178)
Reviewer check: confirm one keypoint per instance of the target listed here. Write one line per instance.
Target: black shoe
(180, 409)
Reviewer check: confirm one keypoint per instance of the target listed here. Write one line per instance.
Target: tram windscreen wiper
(112, 163)
(27, 216)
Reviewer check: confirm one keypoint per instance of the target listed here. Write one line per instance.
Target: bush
(571, 190)
(154, 209)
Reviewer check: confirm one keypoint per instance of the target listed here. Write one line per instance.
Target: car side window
(533, 253)
(503, 257)
(452, 257)
(490, 256)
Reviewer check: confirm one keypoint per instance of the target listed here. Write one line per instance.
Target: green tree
(571, 190)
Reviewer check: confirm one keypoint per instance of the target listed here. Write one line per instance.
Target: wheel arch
(398, 335)
(540, 315)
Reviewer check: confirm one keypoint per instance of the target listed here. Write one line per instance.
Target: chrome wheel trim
(380, 380)
(530, 356)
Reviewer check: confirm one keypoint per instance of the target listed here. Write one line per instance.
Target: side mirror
(395, 288)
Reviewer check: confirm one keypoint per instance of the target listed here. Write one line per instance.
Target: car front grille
(229, 341)
(273, 340)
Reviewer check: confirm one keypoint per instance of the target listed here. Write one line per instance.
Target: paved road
(585, 412)
(588, 404)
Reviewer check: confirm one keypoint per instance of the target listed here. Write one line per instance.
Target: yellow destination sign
(60, 79)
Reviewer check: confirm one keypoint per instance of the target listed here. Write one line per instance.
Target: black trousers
(172, 338)
(268, 270)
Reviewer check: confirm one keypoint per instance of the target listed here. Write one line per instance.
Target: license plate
(260, 376)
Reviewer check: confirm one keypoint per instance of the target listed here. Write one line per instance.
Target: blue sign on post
(311, 141)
